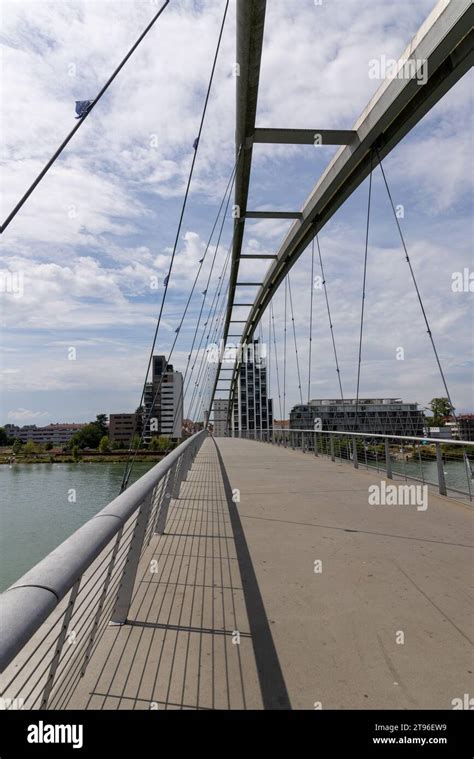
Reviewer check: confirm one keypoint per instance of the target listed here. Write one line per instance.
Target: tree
(139, 420)
(163, 443)
(101, 422)
(88, 437)
(136, 442)
(91, 435)
(3, 437)
(104, 444)
(188, 428)
(30, 447)
(17, 445)
(154, 444)
(75, 452)
(441, 408)
(48, 446)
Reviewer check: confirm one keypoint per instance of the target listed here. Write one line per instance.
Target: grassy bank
(85, 457)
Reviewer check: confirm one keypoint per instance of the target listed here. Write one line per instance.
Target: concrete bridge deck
(225, 569)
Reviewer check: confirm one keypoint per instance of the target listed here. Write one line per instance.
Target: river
(38, 510)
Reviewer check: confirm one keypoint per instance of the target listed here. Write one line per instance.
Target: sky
(83, 262)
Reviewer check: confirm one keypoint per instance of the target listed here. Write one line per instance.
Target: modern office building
(221, 417)
(122, 428)
(381, 416)
(252, 409)
(466, 426)
(163, 401)
(443, 433)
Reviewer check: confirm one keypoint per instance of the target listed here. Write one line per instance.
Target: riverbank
(86, 457)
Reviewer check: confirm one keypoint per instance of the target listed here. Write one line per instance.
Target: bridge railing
(445, 463)
(53, 617)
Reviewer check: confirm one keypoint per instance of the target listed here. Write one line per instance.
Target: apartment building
(122, 428)
(163, 401)
(57, 434)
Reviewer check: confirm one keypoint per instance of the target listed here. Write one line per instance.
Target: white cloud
(22, 416)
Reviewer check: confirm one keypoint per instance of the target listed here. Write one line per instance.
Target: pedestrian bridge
(268, 581)
(238, 574)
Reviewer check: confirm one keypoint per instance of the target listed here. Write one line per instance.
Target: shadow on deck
(335, 602)
(197, 636)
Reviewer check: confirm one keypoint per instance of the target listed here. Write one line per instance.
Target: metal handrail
(278, 435)
(28, 603)
(445, 441)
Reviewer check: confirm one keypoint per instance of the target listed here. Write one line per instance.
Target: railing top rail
(450, 441)
(28, 602)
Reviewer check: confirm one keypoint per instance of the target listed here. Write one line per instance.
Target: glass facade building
(381, 416)
(252, 408)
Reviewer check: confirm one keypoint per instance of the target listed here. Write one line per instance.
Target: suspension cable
(269, 372)
(331, 325)
(93, 103)
(363, 289)
(214, 319)
(423, 311)
(276, 358)
(185, 199)
(178, 231)
(427, 324)
(155, 396)
(204, 368)
(228, 193)
(311, 320)
(296, 343)
(284, 351)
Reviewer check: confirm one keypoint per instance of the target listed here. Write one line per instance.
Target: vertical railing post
(186, 463)
(441, 478)
(179, 475)
(354, 453)
(100, 605)
(124, 594)
(165, 501)
(59, 645)
(467, 467)
(388, 460)
(365, 453)
(331, 445)
(315, 443)
(421, 464)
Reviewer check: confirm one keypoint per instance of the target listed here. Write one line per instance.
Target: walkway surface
(277, 585)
